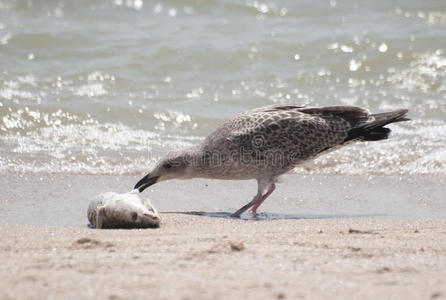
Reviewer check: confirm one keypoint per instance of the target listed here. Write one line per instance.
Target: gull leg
(245, 207)
(256, 205)
(262, 185)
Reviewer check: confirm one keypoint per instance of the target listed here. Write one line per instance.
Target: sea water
(108, 86)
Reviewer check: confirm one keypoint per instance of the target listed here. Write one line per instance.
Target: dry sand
(199, 257)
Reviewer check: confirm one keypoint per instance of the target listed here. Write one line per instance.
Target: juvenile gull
(267, 142)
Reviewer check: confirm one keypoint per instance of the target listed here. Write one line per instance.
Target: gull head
(175, 165)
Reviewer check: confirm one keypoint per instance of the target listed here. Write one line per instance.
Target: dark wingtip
(375, 130)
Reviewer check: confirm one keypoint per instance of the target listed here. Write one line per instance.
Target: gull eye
(167, 166)
(134, 216)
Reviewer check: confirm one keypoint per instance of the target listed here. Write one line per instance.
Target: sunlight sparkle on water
(383, 47)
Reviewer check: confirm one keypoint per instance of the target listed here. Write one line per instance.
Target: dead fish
(113, 210)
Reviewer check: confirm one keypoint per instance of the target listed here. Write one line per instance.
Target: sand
(62, 199)
(198, 257)
(332, 237)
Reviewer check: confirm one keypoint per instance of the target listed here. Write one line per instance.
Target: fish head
(129, 211)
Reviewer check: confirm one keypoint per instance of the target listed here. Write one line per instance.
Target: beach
(94, 92)
(383, 238)
(196, 257)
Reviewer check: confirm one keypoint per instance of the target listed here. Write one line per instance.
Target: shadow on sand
(271, 216)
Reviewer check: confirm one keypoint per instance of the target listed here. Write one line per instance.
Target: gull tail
(374, 130)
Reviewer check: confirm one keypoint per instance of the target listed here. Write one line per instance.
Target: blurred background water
(107, 86)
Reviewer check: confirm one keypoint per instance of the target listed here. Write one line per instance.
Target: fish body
(128, 210)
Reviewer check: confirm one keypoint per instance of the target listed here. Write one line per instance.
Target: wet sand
(196, 257)
(62, 199)
(331, 237)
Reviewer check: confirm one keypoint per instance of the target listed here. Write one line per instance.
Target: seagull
(269, 141)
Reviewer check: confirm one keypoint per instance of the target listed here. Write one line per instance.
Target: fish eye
(167, 166)
(134, 216)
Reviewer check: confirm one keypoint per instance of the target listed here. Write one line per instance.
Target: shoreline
(62, 199)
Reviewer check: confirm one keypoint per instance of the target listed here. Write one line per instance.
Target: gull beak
(145, 182)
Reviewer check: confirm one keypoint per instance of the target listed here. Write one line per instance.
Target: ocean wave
(108, 149)
(86, 149)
